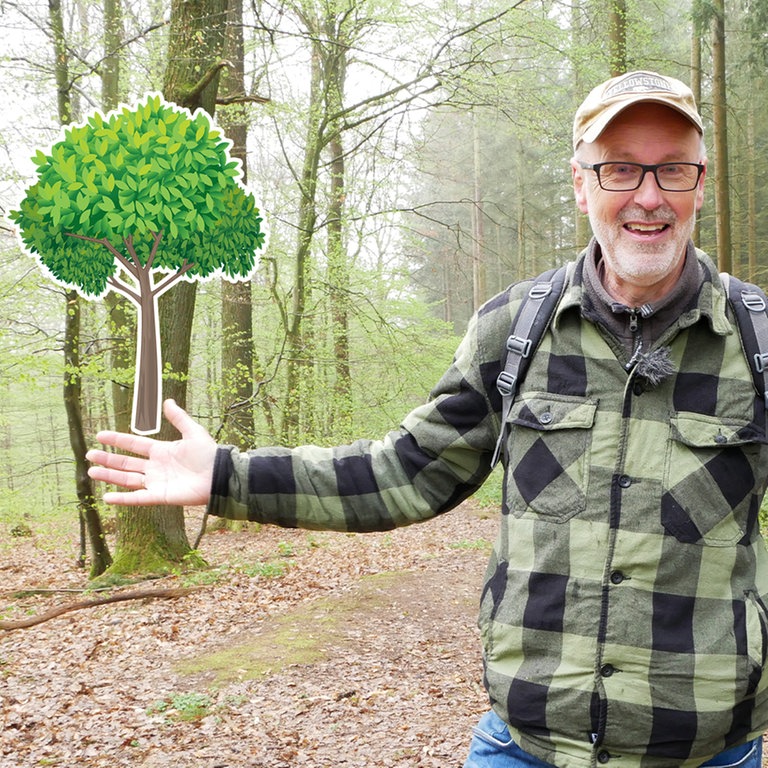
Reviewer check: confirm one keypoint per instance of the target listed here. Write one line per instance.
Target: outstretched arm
(177, 472)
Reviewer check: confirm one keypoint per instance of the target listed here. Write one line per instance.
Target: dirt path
(303, 649)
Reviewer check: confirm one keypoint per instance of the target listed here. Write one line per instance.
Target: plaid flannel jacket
(623, 615)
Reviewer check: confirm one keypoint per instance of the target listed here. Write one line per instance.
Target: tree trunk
(237, 355)
(338, 260)
(696, 89)
(617, 36)
(113, 40)
(153, 539)
(720, 115)
(298, 363)
(580, 87)
(86, 500)
(145, 418)
(751, 171)
(479, 279)
(72, 390)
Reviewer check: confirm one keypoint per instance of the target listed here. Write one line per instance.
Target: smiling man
(641, 181)
(623, 616)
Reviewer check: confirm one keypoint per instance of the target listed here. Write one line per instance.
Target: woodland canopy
(410, 159)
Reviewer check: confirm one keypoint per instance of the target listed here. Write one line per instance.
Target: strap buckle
(754, 302)
(519, 345)
(761, 361)
(540, 290)
(506, 383)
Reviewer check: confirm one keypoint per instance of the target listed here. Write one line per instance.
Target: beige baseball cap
(611, 97)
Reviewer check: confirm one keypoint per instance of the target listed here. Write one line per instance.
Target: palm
(177, 472)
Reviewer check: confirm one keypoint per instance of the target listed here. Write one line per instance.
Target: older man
(623, 616)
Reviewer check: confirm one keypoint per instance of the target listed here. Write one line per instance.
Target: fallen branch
(135, 594)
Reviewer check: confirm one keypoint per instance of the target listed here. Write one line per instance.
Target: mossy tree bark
(153, 539)
(90, 521)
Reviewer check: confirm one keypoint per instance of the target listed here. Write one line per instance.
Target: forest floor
(294, 649)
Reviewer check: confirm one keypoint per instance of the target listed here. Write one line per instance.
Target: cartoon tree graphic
(134, 201)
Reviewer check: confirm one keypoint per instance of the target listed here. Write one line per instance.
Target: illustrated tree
(133, 202)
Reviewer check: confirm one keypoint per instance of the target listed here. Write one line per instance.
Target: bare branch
(242, 98)
(137, 594)
(194, 92)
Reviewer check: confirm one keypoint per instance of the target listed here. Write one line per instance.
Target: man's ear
(700, 189)
(579, 184)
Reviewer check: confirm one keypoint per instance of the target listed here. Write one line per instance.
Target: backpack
(538, 307)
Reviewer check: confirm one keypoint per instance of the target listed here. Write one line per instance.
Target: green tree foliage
(138, 191)
(129, 180)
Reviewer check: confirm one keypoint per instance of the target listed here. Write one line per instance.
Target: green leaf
(40, 158)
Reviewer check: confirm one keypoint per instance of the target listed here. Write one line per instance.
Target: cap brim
(610, 113)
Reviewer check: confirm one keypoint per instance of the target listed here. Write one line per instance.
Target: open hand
(171, 472)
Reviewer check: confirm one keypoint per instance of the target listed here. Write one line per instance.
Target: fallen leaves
(398, 684)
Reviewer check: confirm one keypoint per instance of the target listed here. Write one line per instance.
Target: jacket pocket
(549, 447)
(756, 631)
(711, 471)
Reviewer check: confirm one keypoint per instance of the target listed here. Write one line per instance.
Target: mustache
(663, 214)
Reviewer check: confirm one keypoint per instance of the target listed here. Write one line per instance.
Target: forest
(408, 160)
(408, 165)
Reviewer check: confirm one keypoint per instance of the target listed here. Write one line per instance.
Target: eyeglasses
(625, 177)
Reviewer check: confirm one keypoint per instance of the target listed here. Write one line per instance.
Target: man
(623, 617)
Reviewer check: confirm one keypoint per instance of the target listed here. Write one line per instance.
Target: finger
(116, 460)
(140, 498)
(131, 480)
(125, 442)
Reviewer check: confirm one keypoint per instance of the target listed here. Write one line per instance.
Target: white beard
(637, 262)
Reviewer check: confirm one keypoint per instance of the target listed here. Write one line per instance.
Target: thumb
(181, 420)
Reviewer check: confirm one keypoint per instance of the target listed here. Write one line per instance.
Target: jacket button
(617, 577)
(545, 418)
(625, 481)
(607, 670)
(603, 757)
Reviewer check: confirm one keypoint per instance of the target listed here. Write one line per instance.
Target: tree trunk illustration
(147, 386)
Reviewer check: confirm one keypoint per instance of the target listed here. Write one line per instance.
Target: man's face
(642, 233)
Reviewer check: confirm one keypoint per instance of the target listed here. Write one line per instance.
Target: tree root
(135, 594)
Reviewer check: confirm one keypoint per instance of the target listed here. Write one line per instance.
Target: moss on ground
(305, 635)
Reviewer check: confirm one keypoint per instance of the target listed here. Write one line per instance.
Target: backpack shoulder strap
(530, 322)
(749, 305)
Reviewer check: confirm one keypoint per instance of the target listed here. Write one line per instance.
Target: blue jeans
(492, 747)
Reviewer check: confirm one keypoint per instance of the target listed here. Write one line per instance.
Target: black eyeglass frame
(645, 169)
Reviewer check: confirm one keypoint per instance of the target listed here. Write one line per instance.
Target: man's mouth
(646, 229)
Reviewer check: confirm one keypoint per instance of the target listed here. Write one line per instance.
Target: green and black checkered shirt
(623, 615)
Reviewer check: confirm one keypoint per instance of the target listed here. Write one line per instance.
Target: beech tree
(133, 202)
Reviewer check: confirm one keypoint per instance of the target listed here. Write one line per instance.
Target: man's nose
(648, 194)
